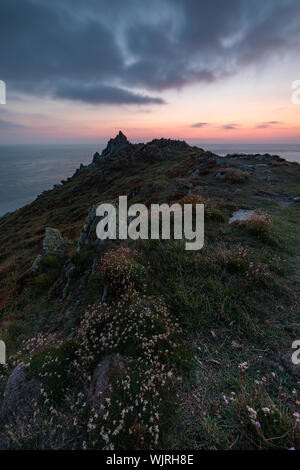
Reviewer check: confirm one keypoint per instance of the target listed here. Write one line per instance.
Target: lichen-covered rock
(241, 216)
(53, 242)
(20, 395)
(101, 384)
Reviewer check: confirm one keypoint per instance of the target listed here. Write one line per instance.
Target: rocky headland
(139, 344)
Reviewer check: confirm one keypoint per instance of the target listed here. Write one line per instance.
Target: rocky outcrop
(53, 243)
(20, 396)
(114, 146)
(101, 384)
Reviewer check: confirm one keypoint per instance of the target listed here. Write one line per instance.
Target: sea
(28, 170)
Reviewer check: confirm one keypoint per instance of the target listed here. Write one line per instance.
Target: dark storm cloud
(200, 124)
(119, 46)
(97, 93)
(45, 45)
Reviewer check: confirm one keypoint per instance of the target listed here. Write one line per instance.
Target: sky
(213, 71)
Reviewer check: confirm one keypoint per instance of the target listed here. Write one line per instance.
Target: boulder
(241, 216)
(20, 395)
(53, 242)
(101, 383)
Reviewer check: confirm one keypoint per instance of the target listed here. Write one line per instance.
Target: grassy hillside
(200, 341)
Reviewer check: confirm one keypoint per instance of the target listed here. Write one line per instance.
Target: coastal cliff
(141, 344)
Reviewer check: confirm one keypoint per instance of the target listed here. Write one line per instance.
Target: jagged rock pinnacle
(120, 142)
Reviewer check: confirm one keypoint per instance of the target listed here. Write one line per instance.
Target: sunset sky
(213, 71)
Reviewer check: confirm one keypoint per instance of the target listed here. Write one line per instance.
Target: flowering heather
(260, 221)
(141, 329)
(119, 269)
(242, 260)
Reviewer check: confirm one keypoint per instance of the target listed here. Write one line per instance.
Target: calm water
(26, 171)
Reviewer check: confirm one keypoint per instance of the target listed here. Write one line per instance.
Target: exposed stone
(20, 395)
(53, 242)
(115, 145)
(241, 216)
(101, 384)
(66, 274)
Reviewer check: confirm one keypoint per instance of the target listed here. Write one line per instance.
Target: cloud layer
(199, 125)
(127, 52)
